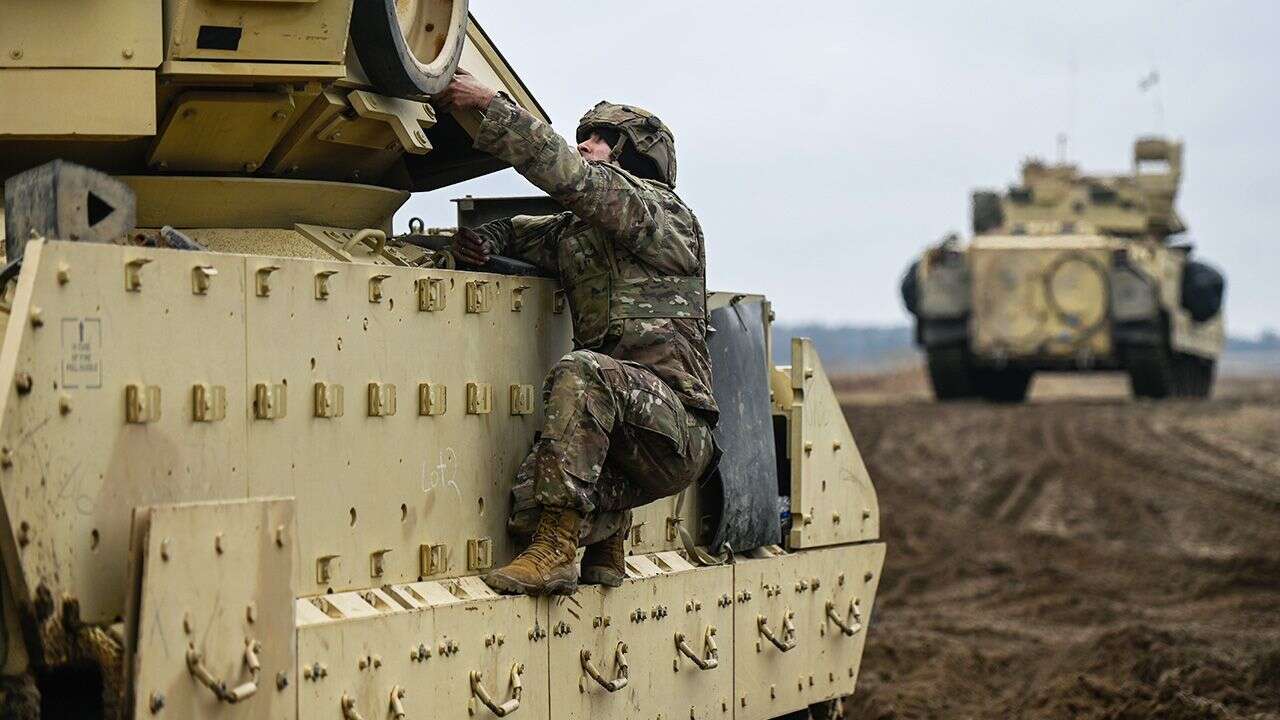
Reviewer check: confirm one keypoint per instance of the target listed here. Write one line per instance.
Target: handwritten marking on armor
(443, 474)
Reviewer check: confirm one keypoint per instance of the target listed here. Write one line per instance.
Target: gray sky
(822, 147)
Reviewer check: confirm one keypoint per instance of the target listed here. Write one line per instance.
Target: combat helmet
(638, 130)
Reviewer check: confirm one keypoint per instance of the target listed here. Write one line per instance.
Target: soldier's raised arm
(596, 192)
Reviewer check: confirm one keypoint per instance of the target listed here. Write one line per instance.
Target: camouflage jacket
(630, 254)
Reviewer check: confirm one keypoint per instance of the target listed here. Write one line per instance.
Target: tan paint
(248, 203)
(277, 105)
(832, 499)
(215, 584)
(824, 662)
(1038, 281)
(314, 31)
(299, 440)
(166, 338)
(1031, 298)
(98, 34)
(77, 103)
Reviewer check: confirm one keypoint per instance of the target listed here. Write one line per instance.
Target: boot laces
(543, 549)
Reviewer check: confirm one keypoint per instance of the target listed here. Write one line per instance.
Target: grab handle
(512, 704)
(379, 237)
(620, 659)
(711, 652)
(231, 696)
(848, 628)
(788, 640)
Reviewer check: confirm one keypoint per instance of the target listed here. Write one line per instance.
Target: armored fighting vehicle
(1071, 272)
(256, 451)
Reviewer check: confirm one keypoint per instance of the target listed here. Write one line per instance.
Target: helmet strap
(618, 147)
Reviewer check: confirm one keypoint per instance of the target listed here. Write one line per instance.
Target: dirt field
(1081, 556)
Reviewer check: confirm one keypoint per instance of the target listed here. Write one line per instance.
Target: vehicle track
(1082, 558)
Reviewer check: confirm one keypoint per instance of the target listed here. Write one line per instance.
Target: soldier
(629, 411)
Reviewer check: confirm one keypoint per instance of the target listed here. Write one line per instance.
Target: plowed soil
(1079, 556)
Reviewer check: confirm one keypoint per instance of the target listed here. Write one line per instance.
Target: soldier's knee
(577, 383)
(579, 368)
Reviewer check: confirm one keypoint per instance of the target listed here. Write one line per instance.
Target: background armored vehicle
(1076, 272)
(255, 452)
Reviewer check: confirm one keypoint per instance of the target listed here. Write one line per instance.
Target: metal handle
(788, 640)
(712, 659)
(506, 708)
(620, 659)
(854, 611)
(231, 696)
(349, 711)
(397, 707)
(379, 237)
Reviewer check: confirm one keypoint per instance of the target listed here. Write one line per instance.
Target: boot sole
(510, 586)
(600, 576)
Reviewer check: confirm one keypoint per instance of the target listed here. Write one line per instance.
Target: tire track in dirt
(1232, 458)
(1078, 559)
(1160, 449)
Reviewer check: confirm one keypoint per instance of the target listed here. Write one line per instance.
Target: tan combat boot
(549, 566)
(604, 562)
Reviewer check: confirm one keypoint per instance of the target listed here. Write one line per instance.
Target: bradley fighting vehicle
(256, 452)
(1075, 272)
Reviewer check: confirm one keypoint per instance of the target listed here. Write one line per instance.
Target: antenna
(1073, 71)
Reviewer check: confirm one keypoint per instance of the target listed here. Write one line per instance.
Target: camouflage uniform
(629, 412)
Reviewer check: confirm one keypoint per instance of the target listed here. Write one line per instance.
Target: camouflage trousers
(616, 437)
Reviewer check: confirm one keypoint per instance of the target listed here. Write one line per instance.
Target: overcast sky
(823, 146)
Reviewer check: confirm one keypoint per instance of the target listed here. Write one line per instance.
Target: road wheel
(1194, 375)
(1008, 385)
(949, 371)
(1151, 371)
(409, 48)
(1210, 374)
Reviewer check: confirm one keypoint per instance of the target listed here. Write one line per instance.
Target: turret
(1059, 199)
(261, 103)
(1157, 171)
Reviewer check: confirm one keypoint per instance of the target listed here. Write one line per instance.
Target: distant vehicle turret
(1071, 271)
(1058, 199)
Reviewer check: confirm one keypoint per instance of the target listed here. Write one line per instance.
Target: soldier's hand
(464, 92)
(470, 247)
